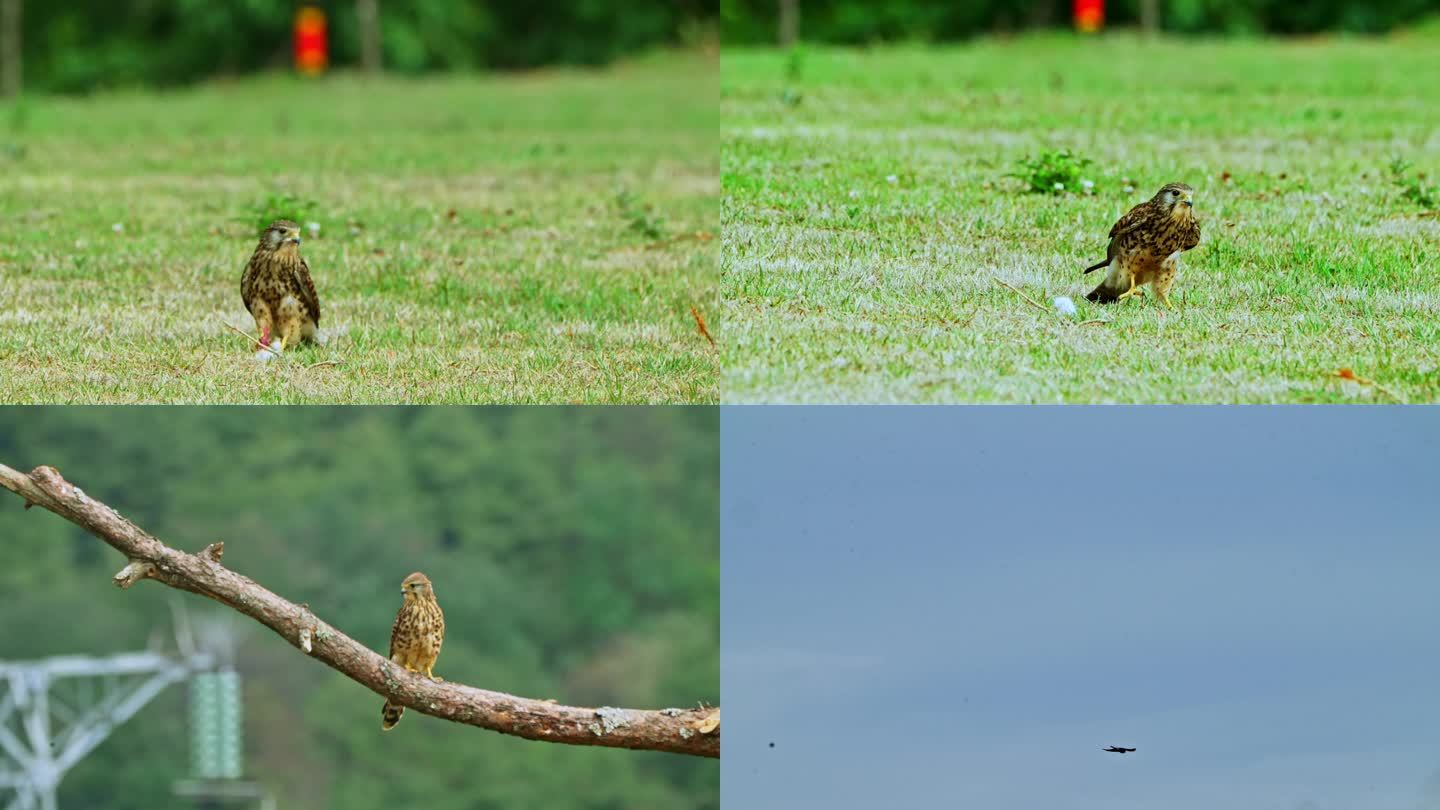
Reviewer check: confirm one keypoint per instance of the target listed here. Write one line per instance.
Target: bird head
(416, 586)
(1177, 198)
(281, 233)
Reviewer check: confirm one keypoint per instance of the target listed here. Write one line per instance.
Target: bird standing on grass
(277, 288)
(415, 638)
(1145, 245)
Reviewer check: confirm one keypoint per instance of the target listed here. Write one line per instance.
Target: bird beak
(296, 239)
(1188, 202)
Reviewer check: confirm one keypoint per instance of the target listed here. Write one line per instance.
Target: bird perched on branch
(277, 288)
(416, 637)
(1145, 245)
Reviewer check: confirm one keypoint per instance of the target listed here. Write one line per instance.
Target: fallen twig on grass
(1349, 374)
(700, 322)
(252, 338)
(1011, 288)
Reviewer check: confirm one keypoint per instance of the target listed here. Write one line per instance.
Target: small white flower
(1087, 184)
(313, 228)
(1059, 186)
(1129, 189)
(118, 228)
(892, 179)
(854, 194)
(1064, 305)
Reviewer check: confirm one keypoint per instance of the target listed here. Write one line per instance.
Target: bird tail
(390, 715)
(1110, 289)
(1096, 266)
(1102, 295)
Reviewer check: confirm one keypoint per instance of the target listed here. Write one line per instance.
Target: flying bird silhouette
(1114, 749)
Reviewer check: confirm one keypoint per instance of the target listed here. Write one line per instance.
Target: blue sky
(959, 607)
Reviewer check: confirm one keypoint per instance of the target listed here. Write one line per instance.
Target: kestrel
(1145, 245)
(416, 637)
(277, 288)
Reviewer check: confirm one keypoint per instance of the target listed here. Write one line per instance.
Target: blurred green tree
(862, 21)
(80, 45)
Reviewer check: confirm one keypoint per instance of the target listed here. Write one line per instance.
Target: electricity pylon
(67, 705)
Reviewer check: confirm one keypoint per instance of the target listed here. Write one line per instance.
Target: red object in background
(1089, 15)
(312, 53)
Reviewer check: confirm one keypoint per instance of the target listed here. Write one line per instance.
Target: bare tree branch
(10, 53)
(368, 13)
(1150, 17)
(682, 731)
(789, 22)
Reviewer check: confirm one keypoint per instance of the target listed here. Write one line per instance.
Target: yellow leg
(432, 675)
(1130, 291)
(1164, 299)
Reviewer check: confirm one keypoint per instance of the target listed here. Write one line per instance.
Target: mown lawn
(869, 223)
(529, 238)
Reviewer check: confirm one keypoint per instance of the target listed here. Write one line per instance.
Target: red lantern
(1089, 15)
(311, 52)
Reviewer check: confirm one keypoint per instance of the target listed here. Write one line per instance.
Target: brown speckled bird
(1145, 245)
(416, 637)
(277, 288)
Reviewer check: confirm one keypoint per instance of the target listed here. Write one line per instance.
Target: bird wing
(307, 291)
(247, 282)
(395, 631)
(1132, 220)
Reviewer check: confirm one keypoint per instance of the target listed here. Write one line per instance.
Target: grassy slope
(537, 288)
(866, 226)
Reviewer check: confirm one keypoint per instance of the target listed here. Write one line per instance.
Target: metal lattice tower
(54, 711)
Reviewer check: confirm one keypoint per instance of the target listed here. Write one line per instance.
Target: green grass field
(870, 228)
(530, 238)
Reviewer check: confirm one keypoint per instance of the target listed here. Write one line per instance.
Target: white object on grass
(1065, 305)
(314, 229)
(1059, 186)
(118, 228)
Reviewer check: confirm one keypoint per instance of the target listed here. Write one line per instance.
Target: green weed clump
(1054, 172)
(1412, 186)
